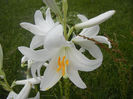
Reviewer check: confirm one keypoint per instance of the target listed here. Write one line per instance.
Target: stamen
(59, 64)
(67, 62)
(62, 64)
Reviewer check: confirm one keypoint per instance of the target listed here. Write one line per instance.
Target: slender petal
(39, 18)
(36, 66)
(33, 28)
(40, 55)
(102, 39)
(31, 80)
(24, 59)
(96, 20)
(90, 32)
(82, 63)
(51, 76)
(37, 41)
(75, 78)
(92, 48)
(82, 17)
(25, 91)
(12, 95)
(49, 19)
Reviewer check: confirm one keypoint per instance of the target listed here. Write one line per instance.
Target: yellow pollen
(67, 62)
(59, 64)
(62, 64)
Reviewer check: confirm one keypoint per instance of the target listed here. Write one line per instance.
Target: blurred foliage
(113, 80)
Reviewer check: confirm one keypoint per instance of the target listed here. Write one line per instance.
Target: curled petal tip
(22, 24)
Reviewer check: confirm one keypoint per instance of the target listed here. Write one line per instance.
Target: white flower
(40, 29)
(23, 93)
(95, 21)
(91, 33)
(64, 59)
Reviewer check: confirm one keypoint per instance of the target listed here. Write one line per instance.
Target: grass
(113, 80)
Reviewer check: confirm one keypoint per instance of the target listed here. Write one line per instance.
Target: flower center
(62, 65)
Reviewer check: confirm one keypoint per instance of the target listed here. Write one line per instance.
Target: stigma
(62, 65)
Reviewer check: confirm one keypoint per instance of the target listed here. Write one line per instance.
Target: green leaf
(5, 86)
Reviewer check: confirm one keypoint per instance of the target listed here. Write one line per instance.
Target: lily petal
(39, 55)
(92, 31)
(37, 41)
(82, 17)
(75, 78)
(24, 59)
(12, 95)
(55, 38)
(96, 20)
(49, 19)
(82, 63)
(25, 91)
(51, 76)
(36, 66)
(39, 18)
(33, 81)
(92, 48)
(33, 28)
(102, 39)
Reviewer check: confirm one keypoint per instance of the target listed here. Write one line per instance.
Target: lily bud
(96, 20)
(33, 81)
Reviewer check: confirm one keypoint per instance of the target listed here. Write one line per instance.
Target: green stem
(65, 8)
(61, 89)
(67, 85)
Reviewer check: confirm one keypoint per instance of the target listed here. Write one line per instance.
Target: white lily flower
(65, 59)
(91, 33)
(40, 29)
(96, 20)
(23, 93)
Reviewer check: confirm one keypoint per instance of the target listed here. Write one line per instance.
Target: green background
(113, 80)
